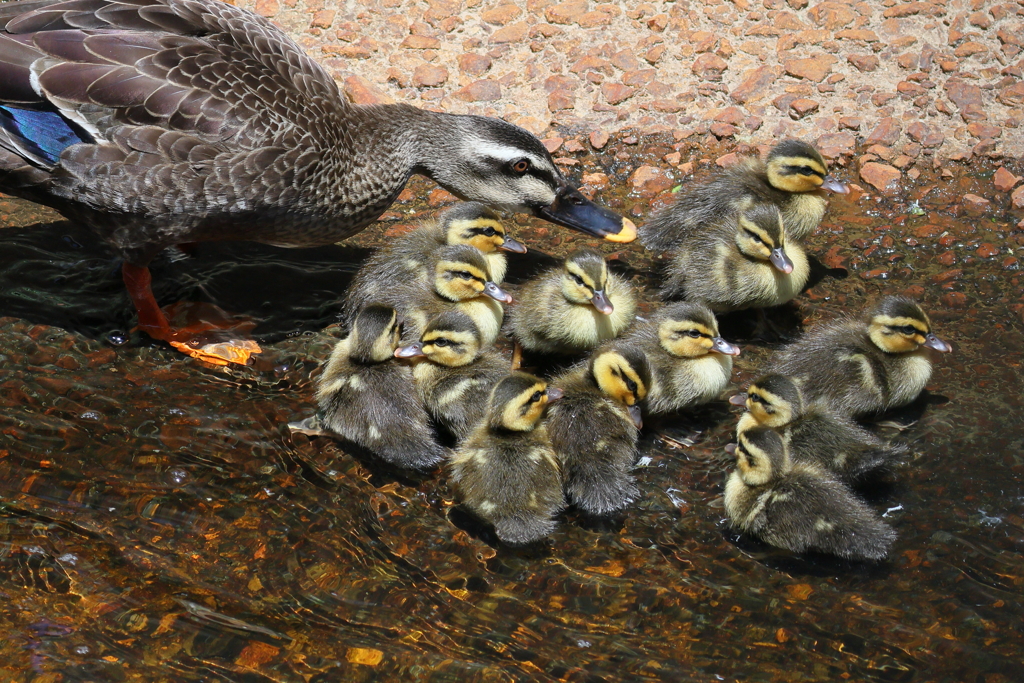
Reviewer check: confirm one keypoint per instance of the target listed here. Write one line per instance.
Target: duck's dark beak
(601, 303)
(497, 293)
(515, 246)
(730, 448)
(554, 393)
(738, 399)
(781, 261)
(575, 211)
(636, 414)
(410, 351)
(719, 345)
(933, 342)
(833, 184)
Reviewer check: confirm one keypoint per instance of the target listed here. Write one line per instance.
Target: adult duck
(163, 122)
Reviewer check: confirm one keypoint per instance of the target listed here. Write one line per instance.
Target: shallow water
(158, 523)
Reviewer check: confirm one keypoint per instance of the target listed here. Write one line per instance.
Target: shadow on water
(58, 274)
(158, 522)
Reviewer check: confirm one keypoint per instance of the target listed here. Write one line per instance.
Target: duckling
(814, 435)
(455, 373)
(690, 363)
(461, 281)
(788, 179)
(738, 264)
(595, 426)
(506, 471)
(860, 366)
(798, 506)
(572, 309)
(367, 397)
(410, 257)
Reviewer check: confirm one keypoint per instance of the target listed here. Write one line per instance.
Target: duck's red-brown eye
(521, 166)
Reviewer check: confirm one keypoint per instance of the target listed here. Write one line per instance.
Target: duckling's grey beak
(833, 184)
(515, 246)
(575, 211)
(497, 293)
(781, 261)
(719, 345)
(738, 399)
(636, 415)
(601, 303)
(933, 342)
(730, 448)
(410, 351)
(554, 393)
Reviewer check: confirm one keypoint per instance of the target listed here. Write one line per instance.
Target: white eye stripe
(504, 154)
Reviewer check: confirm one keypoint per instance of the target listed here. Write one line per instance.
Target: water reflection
(158, 522)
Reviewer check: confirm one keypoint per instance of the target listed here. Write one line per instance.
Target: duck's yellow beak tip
(626, 234)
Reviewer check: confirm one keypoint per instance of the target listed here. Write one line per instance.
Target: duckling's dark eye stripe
(759, 238)
(802, 170)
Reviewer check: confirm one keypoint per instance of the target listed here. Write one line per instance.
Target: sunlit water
(158, 522)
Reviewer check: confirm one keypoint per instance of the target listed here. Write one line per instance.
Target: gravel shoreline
(922, 82)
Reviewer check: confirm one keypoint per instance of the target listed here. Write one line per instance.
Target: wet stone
(1003, 180)
(975, 202)
(1017, 198)
(650, 180)
(882, 177)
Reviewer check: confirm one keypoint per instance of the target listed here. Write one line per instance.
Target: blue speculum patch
(44, 133)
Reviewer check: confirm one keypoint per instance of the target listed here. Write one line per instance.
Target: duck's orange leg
(202, 331)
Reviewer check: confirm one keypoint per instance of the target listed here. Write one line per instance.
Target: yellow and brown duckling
(461, 281)
(789, 179)
(367, 397)
(411, 257)
(798, 506)
(813, 434)
(690, 362)
(737, 264)
(571, 309)
(454, 372)
(506, 471)
(866, 365)
(595, 426)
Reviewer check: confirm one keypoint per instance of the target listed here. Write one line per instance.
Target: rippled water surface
(158, 522)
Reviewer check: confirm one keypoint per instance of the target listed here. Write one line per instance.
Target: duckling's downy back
(506, 471)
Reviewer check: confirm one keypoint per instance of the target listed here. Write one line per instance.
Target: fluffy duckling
(788, 178)
(690, 363)
(410, 257)
(742, 263)
(595, 426)
(798, 506)
(813, 435)
(461, 281)
(506, 471)
(367, 397)
(455, 373)
(868, 365)
(572, 309)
